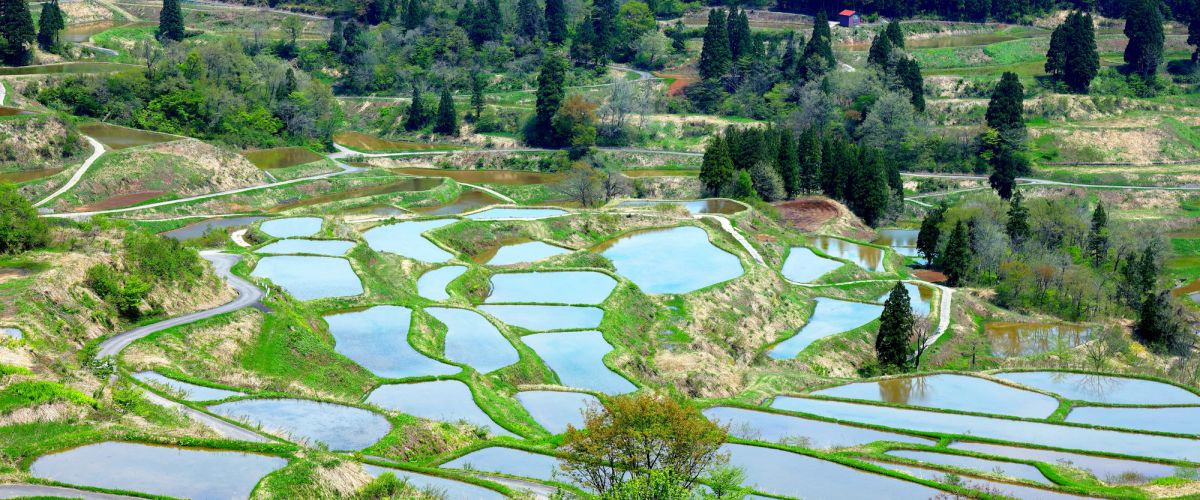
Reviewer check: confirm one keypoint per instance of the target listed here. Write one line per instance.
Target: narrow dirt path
(97, 150)
(217, 425)
(737, 235)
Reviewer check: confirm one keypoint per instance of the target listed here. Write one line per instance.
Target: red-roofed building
(848, 18)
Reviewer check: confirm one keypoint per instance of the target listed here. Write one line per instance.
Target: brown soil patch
(930, 276)
(120, 201)
(807, 214)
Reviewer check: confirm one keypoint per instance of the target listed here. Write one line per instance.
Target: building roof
(847, 12)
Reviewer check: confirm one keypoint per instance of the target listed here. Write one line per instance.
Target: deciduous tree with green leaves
(21, 228)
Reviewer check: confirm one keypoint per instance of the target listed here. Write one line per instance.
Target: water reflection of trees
(908, 390)
(1096, 387)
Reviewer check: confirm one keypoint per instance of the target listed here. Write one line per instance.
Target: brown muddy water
(281, 157)
(365, 142)
(1023, 339)
(117, 137)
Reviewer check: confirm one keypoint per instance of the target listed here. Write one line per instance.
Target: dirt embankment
(39, 142)
(85, 12)
(183, 168)
(818, 214)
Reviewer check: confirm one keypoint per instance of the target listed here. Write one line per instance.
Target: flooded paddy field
(952, 392)
(1023, 339)
(666, 260)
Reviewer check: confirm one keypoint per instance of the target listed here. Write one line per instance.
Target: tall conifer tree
(895, 329)
(715, 56)
(16, 26)
(1144, 29)
(170, 21)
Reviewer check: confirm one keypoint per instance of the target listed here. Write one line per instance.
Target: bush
(20, 227)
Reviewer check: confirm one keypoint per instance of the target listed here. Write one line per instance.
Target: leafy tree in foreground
(715, 55)
(20, 227)
(1144, 28)
(633, 435)
(170, 21)
(895, 329)
(16, 28)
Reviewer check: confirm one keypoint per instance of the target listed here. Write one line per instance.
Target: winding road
(97, 152)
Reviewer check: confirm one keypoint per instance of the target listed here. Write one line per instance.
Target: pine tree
(1144, 29)
(1159, 326)
(715, 55)
(16, 28)
(1082, 60)
(881, 51)
(716, 171)
(1017, 225)
(1193, 38)
(50, 24)
(1056, 54)
(788, 62)
(583, 48)
(789, 162)
(604, 26)
(170, 21)
(738, 27)
(809, 153)
(375, 11)
(550, 95)
(871, 193)
(477, 85)
(1005, 111)
(414, 14)
(894, 34)
(417, 117)
(289, 85)
(818, 52)
(956, 258)
(931, 233)
(1097, 243)
(447, 119)
(1006, 164)
(531, 24)
(895, 329)
(556, 21)
(909, 72)
(336, 38)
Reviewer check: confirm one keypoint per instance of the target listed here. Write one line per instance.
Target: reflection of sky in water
(1103, 388)
(949, 391)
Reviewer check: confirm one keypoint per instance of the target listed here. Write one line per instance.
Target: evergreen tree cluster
(780, 164)
(1144, 28)
(886, 54)
(964, 10)
(17, 34)
(50, 26)
(1072, 57)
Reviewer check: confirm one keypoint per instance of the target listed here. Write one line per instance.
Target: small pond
(309, 278)
(405, 239)
(976, 483)
(291, 227)
(830, 317)
(1104, 389)
(1174, 420)
(432, 285)
(499, 177)
(707, 206)
(865, 256)
(776, 428)
(1109, 470)
(1019, 471)
(516, 213)
(188, 391)
(675, 260)
(158, 470)
(281, 157)
(473, 340)
(902, 241)
(544, 318)
(470, 199)
(314, 247)
(1058, 436)
(1023, 339)
(365, 142)
(12, 333)
(339, 427)
(26, 175)
(198, 229)
(117, 137)
(805, 266)
(555, 410)
(513, 462)
(449, 487)
(442, 400)
(578, 360)
(951, 392)
(784, 473)
(553, 287)
(83, 32)
(530, 251)
(377, 339)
